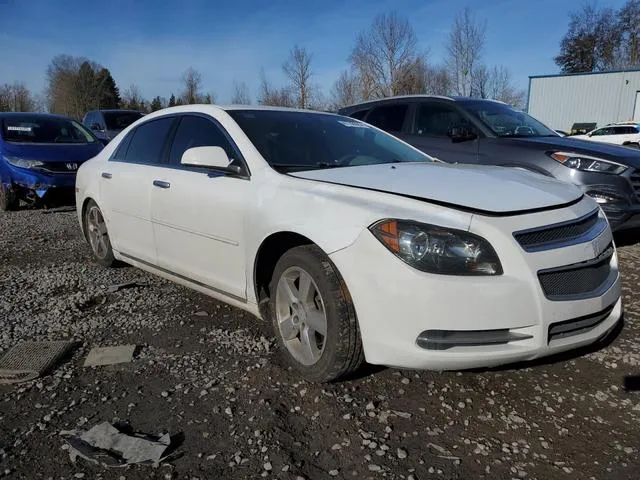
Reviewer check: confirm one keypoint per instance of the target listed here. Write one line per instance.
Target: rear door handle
(161, 184)
(106, 175)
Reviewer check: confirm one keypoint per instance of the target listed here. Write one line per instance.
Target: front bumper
(37, 181)
(395, 303)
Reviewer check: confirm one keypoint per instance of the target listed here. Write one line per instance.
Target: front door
(125, 189)
(198, 214)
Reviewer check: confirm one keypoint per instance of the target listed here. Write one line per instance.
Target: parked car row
(346, 232)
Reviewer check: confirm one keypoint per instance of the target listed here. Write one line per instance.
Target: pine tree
(207, 98)
(172, 100)
(156, 104)
(109, 92)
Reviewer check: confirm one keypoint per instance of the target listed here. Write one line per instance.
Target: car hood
(53, 152)
(625, 155)
(480, 189)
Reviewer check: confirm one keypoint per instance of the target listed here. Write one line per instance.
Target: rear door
(126, 185)
(393, 118)
(198, 214)
(429, 131)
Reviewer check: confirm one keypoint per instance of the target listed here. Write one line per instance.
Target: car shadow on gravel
(560, 357)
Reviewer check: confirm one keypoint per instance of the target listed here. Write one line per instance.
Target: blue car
(39, 156)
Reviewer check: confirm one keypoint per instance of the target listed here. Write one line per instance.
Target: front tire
(97, 235)
(313, 316)
(8, 198)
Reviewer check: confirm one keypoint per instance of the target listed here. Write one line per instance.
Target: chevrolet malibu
(354, 245)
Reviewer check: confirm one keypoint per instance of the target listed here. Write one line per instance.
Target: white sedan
(355, 245)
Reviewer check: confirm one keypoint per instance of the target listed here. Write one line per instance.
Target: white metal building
(559, 101)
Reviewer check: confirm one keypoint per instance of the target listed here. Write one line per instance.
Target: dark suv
(465, 130)
(106, 124)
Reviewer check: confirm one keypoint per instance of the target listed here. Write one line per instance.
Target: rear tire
(8, 198)
(313, 317)
(97, 235)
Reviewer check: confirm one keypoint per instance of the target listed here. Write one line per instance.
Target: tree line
(385, 60)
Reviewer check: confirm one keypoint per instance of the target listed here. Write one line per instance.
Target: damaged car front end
(39, 157)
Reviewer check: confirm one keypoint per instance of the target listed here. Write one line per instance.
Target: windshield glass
(120, 120)
(41, 129)
(307, 140)
(506, 121)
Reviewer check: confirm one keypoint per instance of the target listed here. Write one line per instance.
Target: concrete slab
(109, 355)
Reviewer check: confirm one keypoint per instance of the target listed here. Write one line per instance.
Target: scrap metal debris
(29, 360)
(106, 445)
(110, 355)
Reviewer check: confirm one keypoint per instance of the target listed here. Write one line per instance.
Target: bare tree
(495, 83)
(438, 81)
(132, 98)
(16, 98)
(629, 25)
(385, 56)
(192, 80)
(298, 69)
(240, 93)
(464, 47)
(345, 91)
(270, 95)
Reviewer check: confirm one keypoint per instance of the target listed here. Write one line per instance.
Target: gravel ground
(208, 374)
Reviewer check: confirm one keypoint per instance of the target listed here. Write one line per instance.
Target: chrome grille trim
(563, 234)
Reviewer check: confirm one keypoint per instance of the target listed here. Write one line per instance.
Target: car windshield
(291, 140)
(505, 121)
(120, 120)
(42, 129)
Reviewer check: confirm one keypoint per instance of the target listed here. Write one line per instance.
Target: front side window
(42, 129)
(389, 118)
(120, 120)
(360, 114)
(291, 141)
(505, 121)
(148, 140)
(195, 131)
(602, 131)
(437, 119)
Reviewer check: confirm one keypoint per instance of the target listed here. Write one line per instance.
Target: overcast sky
(150, 43)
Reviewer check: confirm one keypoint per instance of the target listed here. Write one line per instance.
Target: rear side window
(148, 141)
(195, 131)
(360, 114)
(389, 118)
(435, 120)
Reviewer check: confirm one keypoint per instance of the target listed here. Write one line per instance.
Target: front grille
(580, 280)
(559, 234)
(577, 326)
(635, 182)
(60, 167)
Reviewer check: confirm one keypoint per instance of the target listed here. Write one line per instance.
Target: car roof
(114, 110)
(452, 98)
(33, 114)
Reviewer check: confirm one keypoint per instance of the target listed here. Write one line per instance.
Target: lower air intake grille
(635, 182)
(577, 326)
(581, 280)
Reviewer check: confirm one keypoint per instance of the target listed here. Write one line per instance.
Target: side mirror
(209, 157)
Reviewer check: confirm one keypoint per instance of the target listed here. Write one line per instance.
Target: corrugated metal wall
(561, 101)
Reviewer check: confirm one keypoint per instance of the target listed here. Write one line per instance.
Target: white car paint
(205, 232)
(617, 134)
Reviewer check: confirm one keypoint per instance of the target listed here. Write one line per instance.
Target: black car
(106, 124)
(466, 130)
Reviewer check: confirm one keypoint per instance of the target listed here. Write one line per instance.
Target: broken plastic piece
(110, 355)
(109, 446)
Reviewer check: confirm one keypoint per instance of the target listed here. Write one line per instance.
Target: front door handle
(106, 175)
(161, 184)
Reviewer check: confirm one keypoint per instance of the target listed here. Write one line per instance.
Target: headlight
(439, 250)
(23, 163)
(587, 163)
